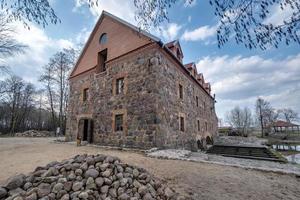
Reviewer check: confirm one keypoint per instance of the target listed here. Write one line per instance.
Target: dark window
(103, 38)
(198, 124)
(197, 101)
(206, 128)
(120, 86)
(102, 57)
(181, 121)
(119, 122)
(178, 54)
(180, 91)
(85, 94)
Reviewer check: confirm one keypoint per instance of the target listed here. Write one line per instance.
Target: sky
(238, 75)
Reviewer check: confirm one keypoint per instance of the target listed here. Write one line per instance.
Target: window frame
(117, 86)
(103, 39)
(180, 91)
(85, 94)
(119, 127)
(101, 63)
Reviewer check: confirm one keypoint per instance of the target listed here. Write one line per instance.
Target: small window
(178, 54)
(85, 95)
(103, 38)
(180, 91)
(102, 57)
(119, 122)
(197, 101)
(206, 126)
(120, 86)
(181, 121)
(198, 125)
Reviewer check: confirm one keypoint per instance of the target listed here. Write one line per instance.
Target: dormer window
(178, 54)
(103, 39)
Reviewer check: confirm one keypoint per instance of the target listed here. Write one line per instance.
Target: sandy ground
(198, 180)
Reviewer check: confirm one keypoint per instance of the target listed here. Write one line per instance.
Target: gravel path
(199, 180)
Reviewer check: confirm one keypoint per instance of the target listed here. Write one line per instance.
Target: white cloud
(170, 32)
(189, 18)
(201, 33)
(122, 8)
(240, 80)
(40, 47)
(277, 15)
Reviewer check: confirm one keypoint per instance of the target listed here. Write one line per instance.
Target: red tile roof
(281, 123)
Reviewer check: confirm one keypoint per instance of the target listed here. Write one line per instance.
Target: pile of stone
(35, 133)
(87, 177)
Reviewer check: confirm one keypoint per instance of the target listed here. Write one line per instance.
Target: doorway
(86, 130)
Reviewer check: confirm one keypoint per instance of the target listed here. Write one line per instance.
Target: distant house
(128, 89)
(283, 126)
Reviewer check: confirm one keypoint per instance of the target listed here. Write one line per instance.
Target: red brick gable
(121, 38)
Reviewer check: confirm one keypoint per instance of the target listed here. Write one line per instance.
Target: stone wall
(171, 107)
(137, 104)
(150, 105)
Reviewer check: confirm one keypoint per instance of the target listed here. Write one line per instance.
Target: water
(286, 147)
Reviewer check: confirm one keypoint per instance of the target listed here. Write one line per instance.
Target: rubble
(87, 177)
(35, 133)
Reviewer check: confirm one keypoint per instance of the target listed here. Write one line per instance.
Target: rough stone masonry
(161, 103)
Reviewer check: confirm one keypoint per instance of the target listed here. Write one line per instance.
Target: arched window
(103, 38)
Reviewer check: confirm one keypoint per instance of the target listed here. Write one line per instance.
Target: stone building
(128, 89)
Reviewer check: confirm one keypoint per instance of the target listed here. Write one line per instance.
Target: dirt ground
(198, 180)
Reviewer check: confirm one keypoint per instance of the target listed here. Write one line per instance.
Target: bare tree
(8, 45)
(26, 11)
(265, 114)
(48, 79)
(245, 21)
(289, 114)
(55, 78)
(241, 119)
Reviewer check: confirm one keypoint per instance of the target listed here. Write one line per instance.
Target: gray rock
(142, 190)
(61, 193)
(57, 187)
(109, 159)
(112, 192)
(104, 166)
(3, 192)
(65, 197)
(99, 181)
(15, 182)
(62, 180)
(135, 173)
(84, 166)
(77, 186)
(68, 186)
(104, 189)
(91, 173)
(106, 173)
(33, 196)
(78, 172)
(27, 185)
(43, 190)
(124, 196)
(90, 183)
(83, 195)
(99, 158)
(90, 160)
(168, 192)
(148, 196)
(123, 182)
(71, 176)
